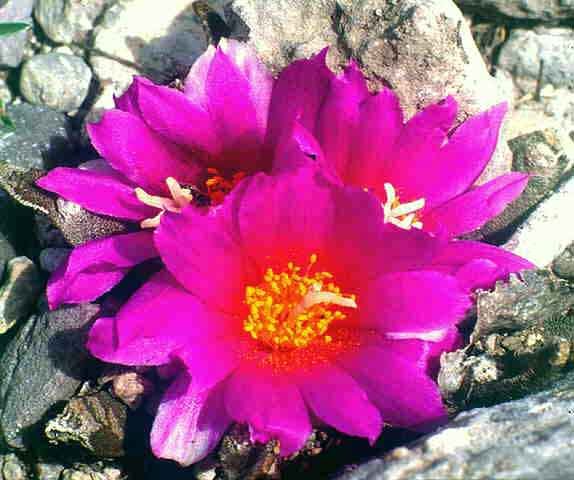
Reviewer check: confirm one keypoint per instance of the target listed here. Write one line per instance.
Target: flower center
(403, 215)
(216, 187)
(293, 308)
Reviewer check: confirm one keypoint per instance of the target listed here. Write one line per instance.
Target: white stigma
(403, 215)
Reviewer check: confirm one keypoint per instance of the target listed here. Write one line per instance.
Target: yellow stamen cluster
(403, 215)
(219, 186)
(293, 308)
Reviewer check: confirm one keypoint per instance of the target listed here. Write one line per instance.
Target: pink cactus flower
(422, 171)
(164, 149)
(292, 302)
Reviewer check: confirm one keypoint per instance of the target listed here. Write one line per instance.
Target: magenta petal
(297, 95)
(270, 404)
(202, 253)
(412, 302)
(103, 192)
(472, 209)
(466, 154)
(196, 79)
(189, 422)
(170, 113)
(95, 267)
(480, 273)
(399, 385)
(128, 101)
(337, 400)
(131, 147)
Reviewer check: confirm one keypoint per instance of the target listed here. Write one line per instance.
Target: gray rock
(548, 230)
(525, 49)
(563, 265)
(520, 9)
(95, 471)
(7, 252)
(12, 46)
(423, 49)
(43, 364)
(527, 439)
(68, 21)
(96, 422)
(56, 80)
(13, 468)
(546, 155)
(48, 471)
(39, 137)
(51, 258)
(19, 292)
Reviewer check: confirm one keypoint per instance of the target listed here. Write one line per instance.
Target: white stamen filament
(315, 296)
(401, 215)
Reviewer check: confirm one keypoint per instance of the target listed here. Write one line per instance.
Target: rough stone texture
(95, 471)
(68, 21)
(96, 422)
(527, 439)
(19, 292)
(39, 138)
(423, 49)
(43, 364)
(51, 258)
(544, 10)
(546, 155)
(12, 46)
(48, 471)
(525, 49)
(7, 252)
(56, 80)
(126, 43)
(548, 230)
(563, 265)
(12, 468)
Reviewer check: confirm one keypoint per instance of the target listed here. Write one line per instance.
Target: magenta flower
(422, 172)
(293, 302)
(164, 149)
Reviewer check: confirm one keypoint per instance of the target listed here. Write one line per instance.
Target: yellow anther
(403, 215)
(288, 310)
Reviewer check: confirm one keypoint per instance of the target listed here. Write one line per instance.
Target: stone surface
(51, 258)
(12, 46)
(544, 10)
(563, 265)
(96, 422)
(127, 43)
(7, 252)
(548, 230)
(42, 365)
(423, 49)
(20, 289)
(547, 156)
(40, 137)
(48, 471)
(55, 80)
(95, 471)
(13, 468)
(68, 21)
(525, 49)
(527, 439)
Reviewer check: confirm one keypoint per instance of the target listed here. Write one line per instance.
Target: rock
(68, 21)
(19, 292)
(526, 49)
(126, 43)
(547, 155)
(520, 9)
(563, 265)
(526, 439)
(12, 46)
(48, 471)
(42, 365)
(128, 385)
(548, 230)
(423, 50)
(51, 258)
(39, 138)
(7, 252)
(55, 80)
(95, 471)
(12, 468)
(96, 422)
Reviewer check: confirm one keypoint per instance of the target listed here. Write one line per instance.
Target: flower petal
(472, 209)
(95, 267)
(270, 404)
(399, 386)
(349, 411)
(131, 147)
(128, 101)
(412, 302)
(189, 422)
(201, 251)
(103, 192)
